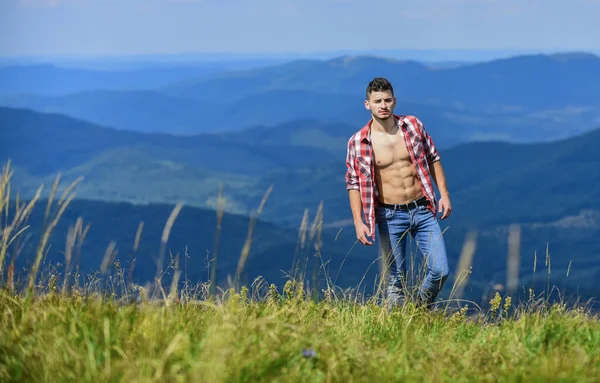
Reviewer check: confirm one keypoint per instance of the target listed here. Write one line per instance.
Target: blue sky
(120, 27)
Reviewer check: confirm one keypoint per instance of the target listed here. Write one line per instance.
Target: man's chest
(389, 149)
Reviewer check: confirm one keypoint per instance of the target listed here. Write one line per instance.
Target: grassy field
(104, 329)
(289, 339)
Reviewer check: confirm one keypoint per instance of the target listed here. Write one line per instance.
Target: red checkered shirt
(361, 167)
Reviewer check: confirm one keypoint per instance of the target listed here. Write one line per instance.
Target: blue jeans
(395, 226)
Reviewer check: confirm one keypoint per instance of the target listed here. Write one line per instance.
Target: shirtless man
(390, 164)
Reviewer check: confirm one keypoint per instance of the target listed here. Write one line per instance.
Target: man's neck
(388, 126)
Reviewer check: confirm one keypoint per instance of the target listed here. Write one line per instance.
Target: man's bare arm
(362, 231)
(437, 172)
(355, 206)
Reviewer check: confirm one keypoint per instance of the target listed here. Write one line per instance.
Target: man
(390, 163)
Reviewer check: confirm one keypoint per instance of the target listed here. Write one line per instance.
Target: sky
(134, 27)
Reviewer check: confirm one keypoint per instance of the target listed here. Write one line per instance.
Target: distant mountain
(557, 93)
(330, 136)
(46, 79)
(522, 83)
(140, 110)
(154, 112)
(542, 96)
(345, 75)
(69, 142)
(527, 183)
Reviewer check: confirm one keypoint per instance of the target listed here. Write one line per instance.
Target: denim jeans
(395, 226)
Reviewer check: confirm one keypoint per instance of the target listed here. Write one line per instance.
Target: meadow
(58, 325)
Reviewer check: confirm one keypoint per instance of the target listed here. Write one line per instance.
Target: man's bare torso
(395, 174)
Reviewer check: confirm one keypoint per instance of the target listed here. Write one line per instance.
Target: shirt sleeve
(352, 182)
(431, 151)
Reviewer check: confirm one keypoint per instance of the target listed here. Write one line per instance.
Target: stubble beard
(382, 118)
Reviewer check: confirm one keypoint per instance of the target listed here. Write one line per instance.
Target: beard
(383, 117)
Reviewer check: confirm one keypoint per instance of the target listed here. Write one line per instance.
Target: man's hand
(445, 206)
(362, 233)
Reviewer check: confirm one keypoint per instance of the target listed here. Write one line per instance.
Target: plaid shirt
(361, 167)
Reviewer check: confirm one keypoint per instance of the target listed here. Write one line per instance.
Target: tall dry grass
(209, 333)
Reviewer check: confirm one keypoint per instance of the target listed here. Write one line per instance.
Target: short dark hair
(379, 84)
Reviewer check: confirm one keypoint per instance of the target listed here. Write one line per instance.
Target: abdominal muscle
(395, 175)
(398, 184)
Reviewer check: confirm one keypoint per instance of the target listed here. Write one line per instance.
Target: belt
(423, 201)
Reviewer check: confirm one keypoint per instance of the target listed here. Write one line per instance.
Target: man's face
(381, 104)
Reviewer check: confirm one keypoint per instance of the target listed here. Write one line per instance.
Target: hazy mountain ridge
(50, 79)
(151, 112)
(536, 82)
(524, 98)
(494, 82)
(139, 110)
(343, 75)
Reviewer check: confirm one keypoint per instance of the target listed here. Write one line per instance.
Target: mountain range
(519, 99)
(548, 188)
(57, 79)
(495, 86)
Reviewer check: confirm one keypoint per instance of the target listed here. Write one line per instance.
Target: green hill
(526, 183)
(61, 142)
